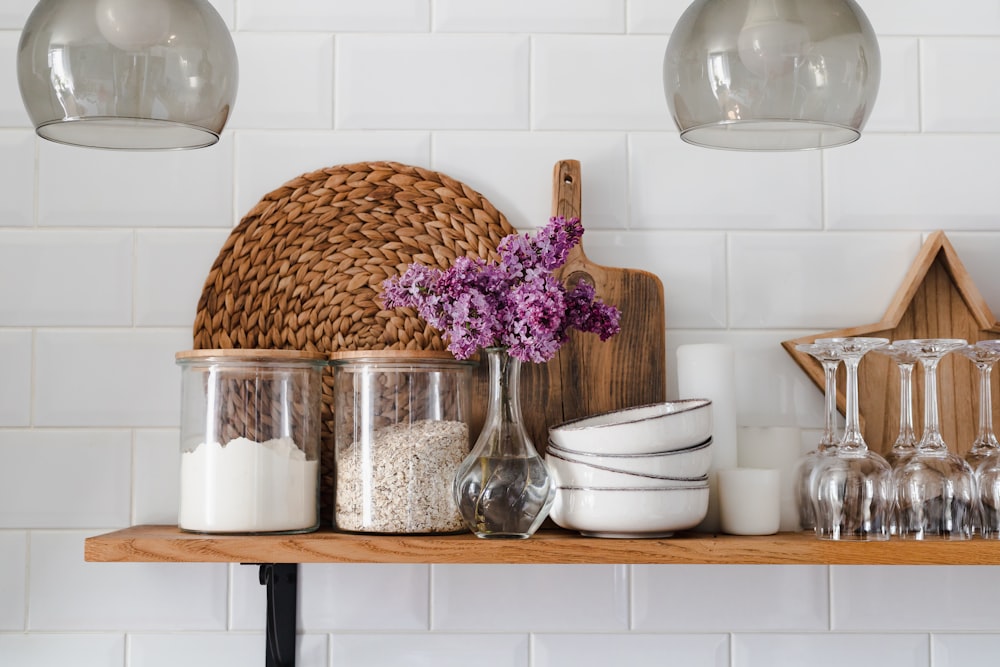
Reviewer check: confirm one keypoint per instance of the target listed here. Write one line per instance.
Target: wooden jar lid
(250, 355)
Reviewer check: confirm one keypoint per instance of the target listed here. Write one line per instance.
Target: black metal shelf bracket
(281, 580)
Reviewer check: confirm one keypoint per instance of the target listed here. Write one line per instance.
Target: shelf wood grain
(169, 544)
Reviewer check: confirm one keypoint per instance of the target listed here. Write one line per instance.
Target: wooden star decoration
(937, 299)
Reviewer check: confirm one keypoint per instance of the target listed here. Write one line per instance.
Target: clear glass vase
(503, 489)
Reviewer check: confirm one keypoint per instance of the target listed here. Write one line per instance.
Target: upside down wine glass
(805, 470)
(853, 489)
(935, 490)
(906, 440)
(984, 355)
(984, 457)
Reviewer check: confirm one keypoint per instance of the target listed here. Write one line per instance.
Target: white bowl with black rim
(693, 461)
(645, 429)
(568, 472)
(629, 512)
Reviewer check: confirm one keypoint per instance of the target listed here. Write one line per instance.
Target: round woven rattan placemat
(303, 268)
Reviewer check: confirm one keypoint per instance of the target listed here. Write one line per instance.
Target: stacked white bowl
(637, 472)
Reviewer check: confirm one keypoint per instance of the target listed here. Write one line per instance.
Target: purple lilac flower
(537, 310)
(518, 304)
(527, 257)
(587, 313)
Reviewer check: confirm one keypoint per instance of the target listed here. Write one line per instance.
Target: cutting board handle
(567, 196)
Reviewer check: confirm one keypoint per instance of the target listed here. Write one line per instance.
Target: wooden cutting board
(589, 376)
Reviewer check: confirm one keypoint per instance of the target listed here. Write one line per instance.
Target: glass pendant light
(771, 74)
(127, 74)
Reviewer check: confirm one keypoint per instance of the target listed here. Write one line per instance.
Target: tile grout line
(133, 463)
(430, 597)
(26, 625)
(829, 598)
(630, 598)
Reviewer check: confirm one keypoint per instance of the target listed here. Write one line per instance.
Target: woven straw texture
(303, 268)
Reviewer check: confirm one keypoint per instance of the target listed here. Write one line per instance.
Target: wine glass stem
(906, 404)
(852, 430)
(830, 395)
(985, 405)
(932, 428)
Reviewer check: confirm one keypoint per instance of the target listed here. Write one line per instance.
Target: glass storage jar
(401, 430)
(250, 440)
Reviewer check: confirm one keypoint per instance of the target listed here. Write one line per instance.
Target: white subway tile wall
(654, 16)
(799, 281)
(948, 598)
(17, 177)
(959, 97)
(14, 13)
(65, 478)
(632, 649)
(514, 171)
(677, 186)
(898, 105)
(438, 649)
(96, 188)
(84, 650)
(352, 597)
(729, 598)
(155, 477)
(12, 113)
(108, 377)
(334, 17)
(408, 82)
(691, 266)
(911, 182)
(958, 650)
(66, 277)
(286, 81)
(14, 556)
(598, 82)
(559, 16)
(103, 255)
(15, 359)
(217, 650)
(831, 650)
(186, 256)
(928, 17)
(65, 593)
(562, 598)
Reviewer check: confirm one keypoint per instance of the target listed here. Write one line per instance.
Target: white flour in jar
(248, 487)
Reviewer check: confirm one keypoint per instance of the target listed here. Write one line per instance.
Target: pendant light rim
(852, 134)
(211, 137)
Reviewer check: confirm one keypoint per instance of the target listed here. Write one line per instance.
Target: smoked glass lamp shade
(127, 74)
(771, 74)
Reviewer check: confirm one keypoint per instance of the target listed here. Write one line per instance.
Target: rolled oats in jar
(402, 429)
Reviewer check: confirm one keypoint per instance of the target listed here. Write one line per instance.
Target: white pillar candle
(750, 501)
(708, 370)
(777, 447)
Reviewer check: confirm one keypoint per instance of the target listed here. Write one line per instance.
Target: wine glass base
(937, 537)
(867, 537)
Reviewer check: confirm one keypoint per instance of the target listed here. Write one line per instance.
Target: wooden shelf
(169, 544)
